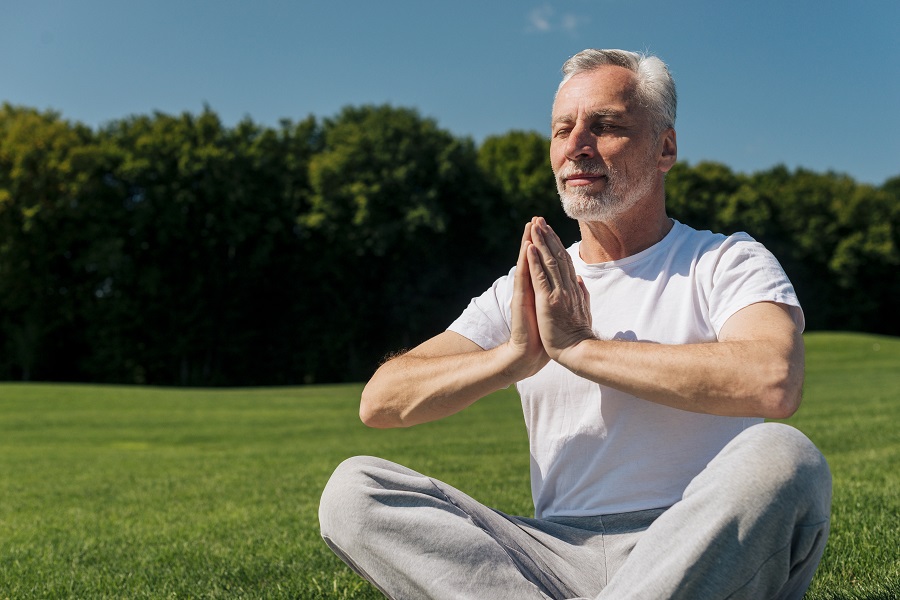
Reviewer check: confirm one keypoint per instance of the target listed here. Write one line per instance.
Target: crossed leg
(753, 524)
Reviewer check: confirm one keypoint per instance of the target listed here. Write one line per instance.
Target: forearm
(754, 369)
(749, 378)
(449, 372)
(416, 388)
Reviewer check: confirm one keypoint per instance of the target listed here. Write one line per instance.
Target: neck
(603, 241)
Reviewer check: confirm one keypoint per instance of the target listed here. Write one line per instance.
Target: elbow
(782, 405)
(782, 397)
(373, 412)
(785, 377)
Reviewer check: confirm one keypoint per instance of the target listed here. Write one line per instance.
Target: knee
(787, 462)
(344, 499)
(787, 450)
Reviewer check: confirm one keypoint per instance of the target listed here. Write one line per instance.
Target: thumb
(584, 291)
(586, 299)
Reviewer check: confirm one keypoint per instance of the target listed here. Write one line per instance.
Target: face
(603, 151)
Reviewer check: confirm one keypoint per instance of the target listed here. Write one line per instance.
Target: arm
(449, 372)
(755, 369)
(436, 379)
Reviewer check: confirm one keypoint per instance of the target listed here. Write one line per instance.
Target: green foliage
(206, 232)
(699, 195)
(517, 167)
(51, 207)
(159, 249)
(171, 249)
(383, 176)
(839, 241)
(112, 492)
(392, 198)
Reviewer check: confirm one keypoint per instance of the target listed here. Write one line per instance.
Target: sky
(804, 83)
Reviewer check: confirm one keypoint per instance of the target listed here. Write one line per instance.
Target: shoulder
(736, 271)
(486, 320)
(686, 236)
(713, 251)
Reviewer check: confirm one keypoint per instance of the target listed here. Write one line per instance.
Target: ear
(669, 150)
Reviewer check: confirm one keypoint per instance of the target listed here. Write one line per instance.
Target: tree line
(173, 250)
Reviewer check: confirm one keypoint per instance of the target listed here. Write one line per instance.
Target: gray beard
(618, 196)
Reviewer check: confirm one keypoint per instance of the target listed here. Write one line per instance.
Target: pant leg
(416, 537)
(752, 525)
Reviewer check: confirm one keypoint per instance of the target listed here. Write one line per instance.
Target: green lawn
(127, 492)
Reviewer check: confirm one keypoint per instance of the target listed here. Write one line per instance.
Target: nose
(580, 144)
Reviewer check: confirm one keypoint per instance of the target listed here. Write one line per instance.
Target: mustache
(596, 169)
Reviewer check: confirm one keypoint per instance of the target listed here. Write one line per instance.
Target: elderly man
(646, 356)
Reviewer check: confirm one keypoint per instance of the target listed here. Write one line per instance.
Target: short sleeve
(747, 273)
(486, 319)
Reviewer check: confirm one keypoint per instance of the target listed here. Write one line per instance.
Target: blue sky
(806, 83)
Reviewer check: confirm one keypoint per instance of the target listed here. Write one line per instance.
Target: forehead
(607, 89)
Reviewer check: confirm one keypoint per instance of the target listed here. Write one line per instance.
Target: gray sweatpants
(753, 525)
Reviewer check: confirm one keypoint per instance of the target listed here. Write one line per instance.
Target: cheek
(557, 156)
(625, 156)
(615, 148)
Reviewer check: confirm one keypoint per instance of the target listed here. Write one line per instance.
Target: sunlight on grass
(111, 492)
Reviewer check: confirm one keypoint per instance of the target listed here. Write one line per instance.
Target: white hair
(655, 86)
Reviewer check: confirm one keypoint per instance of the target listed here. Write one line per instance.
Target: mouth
(581, 179)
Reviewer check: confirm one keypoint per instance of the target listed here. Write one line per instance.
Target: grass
(851, 411)
(128, 492)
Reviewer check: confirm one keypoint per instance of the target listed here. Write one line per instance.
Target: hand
(525, 340)
(562, 302)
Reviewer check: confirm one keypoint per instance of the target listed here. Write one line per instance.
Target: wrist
(573, 355)
(516, 363)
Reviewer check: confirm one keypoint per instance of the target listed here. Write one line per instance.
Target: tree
(210, 245)
(697, 195)
(516, 166)
(401, 227)
(174, 250)
(52, 206)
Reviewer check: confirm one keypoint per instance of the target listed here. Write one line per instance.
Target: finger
(524, 319)
(526, 235)
(557, 264)
(521, 262)
(553, 242)
(557, 248)
(586, 296)
(544, 259)
(522, 280)
(526, 239)
(584, 291)
(539, 280)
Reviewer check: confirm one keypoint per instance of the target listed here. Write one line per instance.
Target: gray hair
(655, 86)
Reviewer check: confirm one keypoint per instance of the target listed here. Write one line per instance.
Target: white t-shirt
(596, 450)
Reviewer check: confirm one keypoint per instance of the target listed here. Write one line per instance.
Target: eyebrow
(594, 114)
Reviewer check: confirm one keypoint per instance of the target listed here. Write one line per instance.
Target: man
(646, 357)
